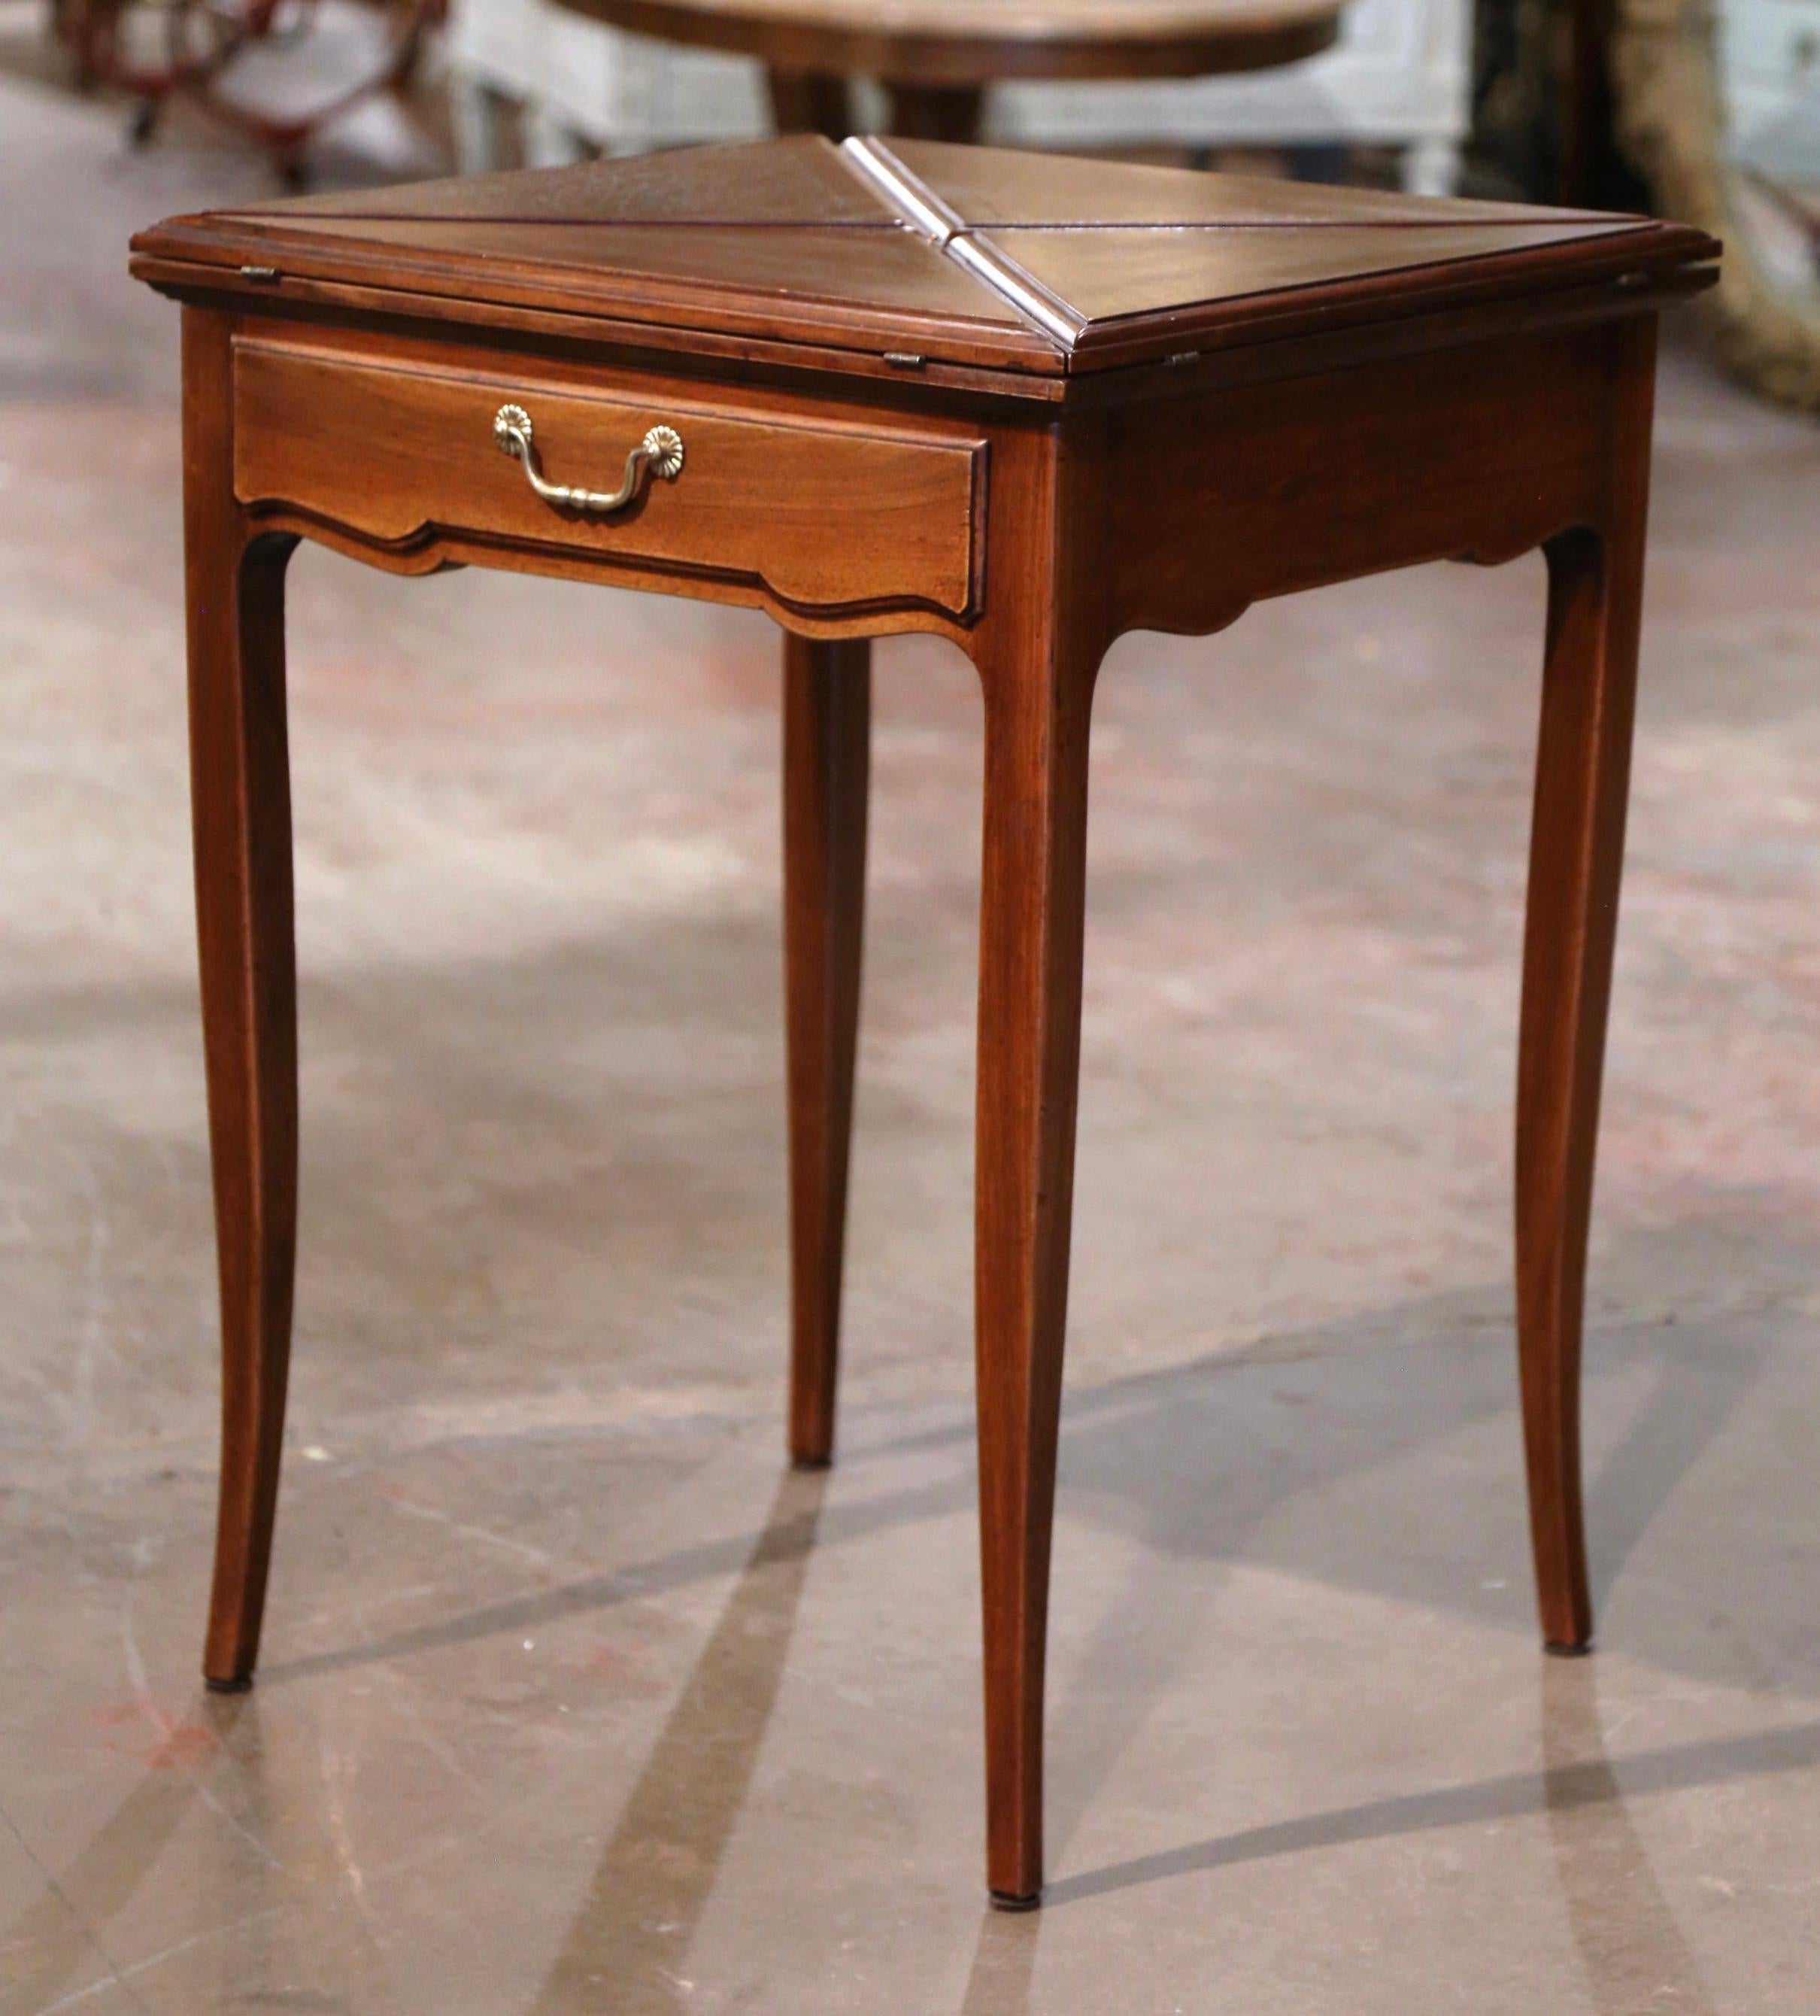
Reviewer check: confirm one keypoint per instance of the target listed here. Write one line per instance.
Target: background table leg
(937, 111)
(810, 102)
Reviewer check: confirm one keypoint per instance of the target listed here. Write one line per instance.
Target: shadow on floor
(1201, 1461)
(1561, 1790)
(625, 1949)
(1635, 1954)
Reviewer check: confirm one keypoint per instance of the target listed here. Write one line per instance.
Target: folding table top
(975, 256)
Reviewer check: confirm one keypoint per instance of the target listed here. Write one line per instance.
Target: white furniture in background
(1769, 75)
(1398, 77)
(578, 86)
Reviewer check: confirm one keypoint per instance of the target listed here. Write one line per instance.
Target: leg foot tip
(1009, 1900)
(811, 1462)
(240, 1684)
(1567, 1649)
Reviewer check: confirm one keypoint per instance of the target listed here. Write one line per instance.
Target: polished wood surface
(761, 182)
(240, 762)
(912, 251)
(392, 444)
(827, 755)
(1483, 390)
(984, 186)
(1037, 656)
(1589, 683)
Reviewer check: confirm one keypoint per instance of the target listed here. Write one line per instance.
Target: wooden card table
(1027, 404)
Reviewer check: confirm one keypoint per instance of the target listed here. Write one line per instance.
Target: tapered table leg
(827, 734)
(1595, 581)
(1038, 695)
(241, 808)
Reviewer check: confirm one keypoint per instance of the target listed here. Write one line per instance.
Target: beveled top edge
(264, 268)
(1616, 258)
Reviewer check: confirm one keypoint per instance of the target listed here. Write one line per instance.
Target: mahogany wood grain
(827, 734)
(240, 776)
(398, 453)
(987, 186)
(1042, 487)
(1037, 654)
(1302, 341)
(799, 182)
(1595, 588)
(1305, 482)
(886, 262)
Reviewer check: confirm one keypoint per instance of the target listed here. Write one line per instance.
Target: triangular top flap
(802, 180)
(797, 268)
(984, 187)
(1112, 274)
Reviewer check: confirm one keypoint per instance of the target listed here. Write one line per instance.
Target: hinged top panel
(972, 256)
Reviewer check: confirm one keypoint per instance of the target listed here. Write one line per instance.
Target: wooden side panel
(827, 516)
(1483, 453)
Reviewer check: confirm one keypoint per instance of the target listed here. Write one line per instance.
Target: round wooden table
(935, 57)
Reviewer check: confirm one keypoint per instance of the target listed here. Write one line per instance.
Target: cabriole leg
(1595, 581)
(240, 791)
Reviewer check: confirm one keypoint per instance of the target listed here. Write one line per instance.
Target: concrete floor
(574, 1701)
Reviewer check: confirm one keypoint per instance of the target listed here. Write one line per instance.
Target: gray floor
(573, 1699)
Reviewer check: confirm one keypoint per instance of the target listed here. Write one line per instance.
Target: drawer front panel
(828, 517)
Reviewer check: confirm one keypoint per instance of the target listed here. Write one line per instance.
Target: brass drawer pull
(660, 451)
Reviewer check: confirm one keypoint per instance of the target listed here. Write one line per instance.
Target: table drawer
(826, 517)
